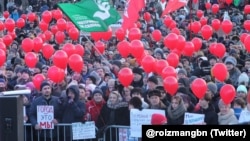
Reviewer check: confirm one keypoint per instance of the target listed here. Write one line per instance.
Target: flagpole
(105, 60)
(190, 17)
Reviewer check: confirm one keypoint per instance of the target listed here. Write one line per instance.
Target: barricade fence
(63, 132)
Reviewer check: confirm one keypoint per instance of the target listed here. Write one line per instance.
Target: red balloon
(99, 47)
(168, 71)
(247, 25)
(27, 45)
(2, 57)
(229, 1)
(42, 36)
(212, 48)
(38, 44)
(167, 21)
(170, 40)
(173, 59)
(60, 36)
(170, 84)
(243, 37)
(199, 87)
(76, 63)
(48, 35)
(147, 16)
(199, 13)
(197, 43)
(124, 48)
(1, 26)
(206, 32)
(215, 8)
(20, 23)
(2, 47)
(7, 39)
(23, 16)
(176, 31)
(137, 48)
(208, 5)
(79, 49)
(107, 35)
(120, 34)
(74, 33)
(12, 34)
(47, 51)
(227, 93)
(181, 43)
(43, 26)
(56, 74)
(172, 25)
(37, 80)
(6, 14)
(147, 62)
(160, 65)
(57, 14)
(134, 34)
(125, 76)
(69, 49)
(31, 59)
(215, 24)
(220, 50)
(9, 24)
(31, 17)
(60, 59)
(188, 49)
(47, 16)
(156, 35)
(61, 24)
(247, 43)
(196, 26)
(219, 71)
(54, 29)
(227, 26)
(247, 9)
(195, 1)
(69, 26)
(96, 36)
(203, 21)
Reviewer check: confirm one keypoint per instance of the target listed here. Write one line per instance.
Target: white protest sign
(139, 118)
(124, 135)
(192, 118)
(45, 116)
(83, 130)
(244, 116)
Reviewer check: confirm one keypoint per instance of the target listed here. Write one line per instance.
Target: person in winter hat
(234, 72)
(94, 106)
(242, 92)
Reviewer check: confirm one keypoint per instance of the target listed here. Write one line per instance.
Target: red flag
(173, 5)
(131, 13)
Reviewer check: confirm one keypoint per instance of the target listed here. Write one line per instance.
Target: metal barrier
(61, 132)
(117, 133)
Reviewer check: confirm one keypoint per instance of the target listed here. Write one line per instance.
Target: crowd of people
(96, 93)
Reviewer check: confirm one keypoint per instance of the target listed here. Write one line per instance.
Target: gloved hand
(61, 100)
(71, 101)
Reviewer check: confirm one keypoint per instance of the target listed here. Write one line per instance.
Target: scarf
(228, 118)
(178, 112)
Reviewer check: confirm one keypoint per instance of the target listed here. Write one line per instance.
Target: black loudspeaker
(11, 118)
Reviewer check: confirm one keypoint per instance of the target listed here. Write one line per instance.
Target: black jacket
(211, 117)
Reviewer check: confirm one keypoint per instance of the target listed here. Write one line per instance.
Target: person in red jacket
(94, 106)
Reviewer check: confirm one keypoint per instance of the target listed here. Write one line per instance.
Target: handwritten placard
(83, 130)
(192, 118)
(139, 118)
(45, 116)
(124, 135)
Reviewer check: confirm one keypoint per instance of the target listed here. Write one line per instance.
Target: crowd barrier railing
(61, 132)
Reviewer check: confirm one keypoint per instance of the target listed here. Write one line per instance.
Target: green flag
(91, 15)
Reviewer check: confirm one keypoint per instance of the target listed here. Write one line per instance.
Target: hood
(75, 90)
